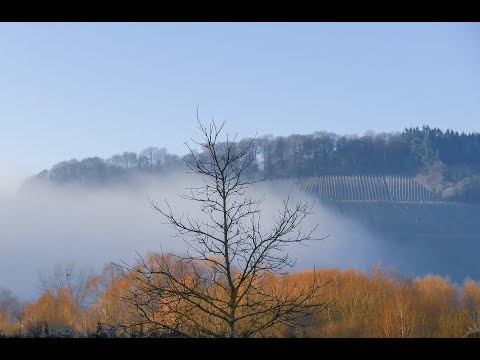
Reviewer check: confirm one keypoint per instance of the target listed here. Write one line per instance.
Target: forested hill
(447, 162)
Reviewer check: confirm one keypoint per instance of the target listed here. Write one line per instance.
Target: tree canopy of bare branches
(227, 282)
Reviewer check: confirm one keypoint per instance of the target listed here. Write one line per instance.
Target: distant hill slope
(424, 232)
(368, 188)
(396, 204)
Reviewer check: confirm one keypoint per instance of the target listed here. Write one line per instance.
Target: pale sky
(73, 90)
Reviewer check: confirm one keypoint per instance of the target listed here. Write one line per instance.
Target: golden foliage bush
(378, 304)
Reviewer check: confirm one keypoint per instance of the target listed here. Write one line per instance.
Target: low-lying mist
(45, 225)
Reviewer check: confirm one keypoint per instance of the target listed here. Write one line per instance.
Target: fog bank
(45, 225)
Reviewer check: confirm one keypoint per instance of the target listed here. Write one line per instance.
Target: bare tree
(74, 286)
(74, 281)
(232, 280)
(20, 316)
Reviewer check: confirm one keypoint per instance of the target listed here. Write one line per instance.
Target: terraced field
(367, 188)
(391, 204)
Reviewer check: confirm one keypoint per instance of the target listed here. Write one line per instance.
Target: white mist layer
(46, 226)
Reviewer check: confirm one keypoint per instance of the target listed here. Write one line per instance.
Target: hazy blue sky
(85, 89)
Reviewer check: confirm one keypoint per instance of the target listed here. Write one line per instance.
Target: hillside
(392, 204)
(421, 233)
